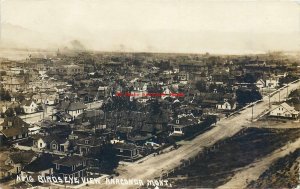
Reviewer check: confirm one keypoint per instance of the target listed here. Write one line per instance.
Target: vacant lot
(284, 173)
(216, 167)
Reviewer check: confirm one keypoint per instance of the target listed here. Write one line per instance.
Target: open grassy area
(216, 167)
(284, 173)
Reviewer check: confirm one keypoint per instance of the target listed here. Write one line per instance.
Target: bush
(247, 96)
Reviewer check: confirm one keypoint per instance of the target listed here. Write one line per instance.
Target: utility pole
(43, 105)
(252, 112)
(95, 121)
(52, 114)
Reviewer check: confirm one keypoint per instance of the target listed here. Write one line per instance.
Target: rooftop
(76, 106)
(70, 160)
(14, 131)
(22, 157)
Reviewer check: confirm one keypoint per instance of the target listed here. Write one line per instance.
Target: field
(215, 167)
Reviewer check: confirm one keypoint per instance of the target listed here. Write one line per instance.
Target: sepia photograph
(149, 94)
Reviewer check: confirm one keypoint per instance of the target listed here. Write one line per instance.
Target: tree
(287, 79)
(155, 107)
(247, 96)
(201, 86)
(2, 73)
(120, 103)
(10, 112)
(210, 119)
(249, 78)
(20, 97)
(4, 95)
(172, 141)
(107, 158)
(19, 110)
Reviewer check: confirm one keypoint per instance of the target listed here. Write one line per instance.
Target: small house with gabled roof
(70, 166)
(29, 106)
(284, 110)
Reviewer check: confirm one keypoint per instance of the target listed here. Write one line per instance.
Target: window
(121, 150)
(9, 123)
(177, 129)
(54, 146)
(57, 166)
(41, 144)
(73, 167)
(86, 141)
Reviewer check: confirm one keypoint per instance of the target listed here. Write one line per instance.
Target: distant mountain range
(13, 36)
(18, 37)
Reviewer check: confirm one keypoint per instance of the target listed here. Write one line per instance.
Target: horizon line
(41, 50)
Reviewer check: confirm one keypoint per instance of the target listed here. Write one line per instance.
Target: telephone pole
(252, 112)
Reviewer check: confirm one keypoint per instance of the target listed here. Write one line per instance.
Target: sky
(196, 26)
